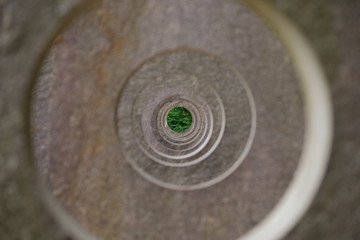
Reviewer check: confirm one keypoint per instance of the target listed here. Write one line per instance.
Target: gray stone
(84, 178)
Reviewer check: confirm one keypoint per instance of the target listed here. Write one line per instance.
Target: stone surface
(331, 27)
(76, 125)
(26, 27)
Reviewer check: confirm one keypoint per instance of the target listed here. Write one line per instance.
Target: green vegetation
(179, 119)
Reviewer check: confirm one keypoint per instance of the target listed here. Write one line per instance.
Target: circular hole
(179, 119)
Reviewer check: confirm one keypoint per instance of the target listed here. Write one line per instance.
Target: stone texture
(332, 26)
(25, 30)
(75, 120)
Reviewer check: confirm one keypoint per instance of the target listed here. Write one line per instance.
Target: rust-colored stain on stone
(102, 53)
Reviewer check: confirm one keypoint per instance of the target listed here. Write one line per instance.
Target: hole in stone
(179, 119)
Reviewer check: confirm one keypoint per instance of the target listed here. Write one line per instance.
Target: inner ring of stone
(160, 143)
(184, 140)
(216, 142)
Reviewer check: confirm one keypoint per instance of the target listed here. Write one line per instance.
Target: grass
(179, 119)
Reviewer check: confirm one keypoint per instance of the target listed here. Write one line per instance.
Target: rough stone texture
(335, 212)
(333, 29)
(84, 81)
(25, 29)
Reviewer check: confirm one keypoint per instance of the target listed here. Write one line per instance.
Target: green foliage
(179, 119)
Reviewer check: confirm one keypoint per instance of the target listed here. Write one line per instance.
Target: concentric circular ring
(215, 74)
(182, 161)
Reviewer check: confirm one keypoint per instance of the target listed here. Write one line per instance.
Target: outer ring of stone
(318, 129)
(319, 119)
(206, 70)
